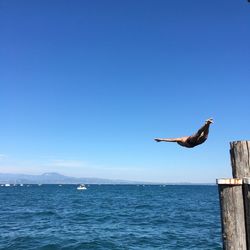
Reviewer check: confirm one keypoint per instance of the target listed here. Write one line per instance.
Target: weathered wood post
(232, 214)
(234, 202)
(240, 158)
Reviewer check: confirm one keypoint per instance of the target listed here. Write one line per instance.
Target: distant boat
(21, 185)
(7, 185)
(81, 187)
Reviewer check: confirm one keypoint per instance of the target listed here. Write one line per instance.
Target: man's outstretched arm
(180, 139)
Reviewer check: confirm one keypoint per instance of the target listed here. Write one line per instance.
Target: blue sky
(85, 86)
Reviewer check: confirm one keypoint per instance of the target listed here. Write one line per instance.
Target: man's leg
(202, 133)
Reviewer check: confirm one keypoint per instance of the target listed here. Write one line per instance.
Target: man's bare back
(191, 141)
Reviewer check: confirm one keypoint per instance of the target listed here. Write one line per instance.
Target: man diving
(191, 141)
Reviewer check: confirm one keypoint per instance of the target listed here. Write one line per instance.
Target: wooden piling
(232, 214)
(235, 199)
(240, 158)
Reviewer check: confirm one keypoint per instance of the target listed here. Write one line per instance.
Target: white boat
(7, 185)
(81, 187)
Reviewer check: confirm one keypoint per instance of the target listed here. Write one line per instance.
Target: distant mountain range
(55, 178)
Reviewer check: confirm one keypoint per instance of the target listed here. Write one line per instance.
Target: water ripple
(110, 217)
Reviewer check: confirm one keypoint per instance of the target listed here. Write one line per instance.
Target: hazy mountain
(55, 178)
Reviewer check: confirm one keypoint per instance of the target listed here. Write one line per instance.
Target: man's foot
(157, 140)
(209, 121)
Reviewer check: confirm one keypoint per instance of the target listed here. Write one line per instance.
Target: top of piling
(240, 159)
(239, 141)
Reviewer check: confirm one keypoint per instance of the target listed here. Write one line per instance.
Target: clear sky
(85, 86)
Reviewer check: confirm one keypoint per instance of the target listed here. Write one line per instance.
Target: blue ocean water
(52, 217)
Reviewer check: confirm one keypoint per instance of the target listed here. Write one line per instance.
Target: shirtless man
(191, 141)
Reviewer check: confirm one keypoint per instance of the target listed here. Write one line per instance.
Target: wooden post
(240, 158)
(232, 214)
(235, 203)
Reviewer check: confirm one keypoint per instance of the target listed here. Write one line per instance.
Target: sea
(50, 217)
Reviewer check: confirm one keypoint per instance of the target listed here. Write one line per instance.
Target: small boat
(7, 185)
(81, 187)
